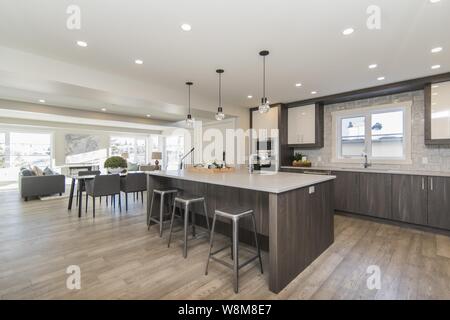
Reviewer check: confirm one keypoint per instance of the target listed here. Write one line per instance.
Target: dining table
(81, 181)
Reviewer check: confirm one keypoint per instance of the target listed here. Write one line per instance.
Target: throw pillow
(48, 172)
(133, 166)
(38, 171)
(27, 173)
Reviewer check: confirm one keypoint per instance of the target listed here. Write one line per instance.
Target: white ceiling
(304, 38)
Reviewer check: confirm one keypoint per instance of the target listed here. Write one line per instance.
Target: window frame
(367, 113)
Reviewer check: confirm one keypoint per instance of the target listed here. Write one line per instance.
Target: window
(2, 150)
(23, 149)
(383, 133)
(33, 149)
(131, 148)
(174, 151)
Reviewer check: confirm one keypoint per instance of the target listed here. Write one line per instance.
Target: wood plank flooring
(120, 259)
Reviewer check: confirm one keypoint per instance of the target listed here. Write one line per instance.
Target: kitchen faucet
(366, 162)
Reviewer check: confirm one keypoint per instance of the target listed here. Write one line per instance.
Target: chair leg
(126, 202)
(77, 198)
(86, 201)
(161, 215)
(193, 223)
(205, 211)
(93, 207)
(171, 223)
(100, 200)
(211, 239)
(106, 201)
(149, 212)
(236, 255)
(186, 223)
(120, 202)
(142, 197)
(257, 244)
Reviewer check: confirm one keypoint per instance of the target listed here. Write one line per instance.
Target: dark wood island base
(295, 226)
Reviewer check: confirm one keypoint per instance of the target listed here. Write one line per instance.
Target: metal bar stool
(234, 214)
(163, 193)
(185, 200)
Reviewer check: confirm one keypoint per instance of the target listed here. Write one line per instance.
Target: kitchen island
(294, 212)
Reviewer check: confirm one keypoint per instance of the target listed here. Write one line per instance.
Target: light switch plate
(424, 160)
(312, 190)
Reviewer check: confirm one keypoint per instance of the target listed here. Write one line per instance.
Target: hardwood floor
(120, 259)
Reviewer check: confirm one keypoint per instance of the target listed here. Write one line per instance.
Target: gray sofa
(36, 186)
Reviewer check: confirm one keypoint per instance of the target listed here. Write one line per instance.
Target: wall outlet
(312, 190)
(424, 160)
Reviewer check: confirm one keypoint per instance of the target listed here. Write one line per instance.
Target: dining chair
(133, 182)
(103, 185)
(81, 185)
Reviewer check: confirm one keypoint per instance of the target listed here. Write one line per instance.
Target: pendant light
(189, 120)
(220, 115)
(264, 107)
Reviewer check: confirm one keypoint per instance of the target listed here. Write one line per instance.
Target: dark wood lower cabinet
(375, 195)
(409, 199)
(346, 191)
(439, 202)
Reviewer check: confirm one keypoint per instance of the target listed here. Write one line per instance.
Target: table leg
(72, 187)
(80, 197)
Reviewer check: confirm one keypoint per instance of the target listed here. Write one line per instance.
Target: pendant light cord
(264, 77)
(220, 90)
(189, 99)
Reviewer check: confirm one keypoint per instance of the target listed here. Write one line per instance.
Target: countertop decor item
(115, 164)
(299, 160)
(157, 156)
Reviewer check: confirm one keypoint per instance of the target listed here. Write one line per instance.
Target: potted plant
(297, 159)
(115, 164)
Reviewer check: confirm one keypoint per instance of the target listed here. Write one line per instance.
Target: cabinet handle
(423, 183)
(431, 184)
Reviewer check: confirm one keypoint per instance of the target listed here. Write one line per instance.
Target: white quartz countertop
(272, 182)
(375, 170)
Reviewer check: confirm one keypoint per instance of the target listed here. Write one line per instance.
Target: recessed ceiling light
(148, 116)
(434, 103)
(249, 96)
(313, 92)
(435, 93)
(186, 27)
(381, 78)
(436, 66)
(373, 66)
(436, 50)
(298, 84)
(435, 86)
(82, 43)
(103, 109)
(434, 1)
(348, 31)
(138, 61)
(41, 100)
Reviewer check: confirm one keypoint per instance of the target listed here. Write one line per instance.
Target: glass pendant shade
(264, 107)
(220, 115)
(189, 121)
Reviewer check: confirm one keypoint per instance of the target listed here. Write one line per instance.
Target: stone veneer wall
(438, 156)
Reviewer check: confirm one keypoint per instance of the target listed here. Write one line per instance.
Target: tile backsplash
(429, 158)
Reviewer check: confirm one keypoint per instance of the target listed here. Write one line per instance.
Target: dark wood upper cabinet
(304, 125)
(437, 113)
(409, 198)
(346, 191)
(375, 195)
(439, 202)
